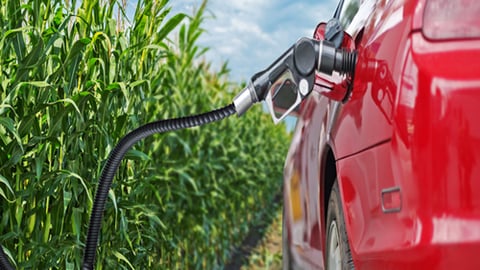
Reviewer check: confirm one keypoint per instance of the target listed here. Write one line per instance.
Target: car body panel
(366, 119)
(408, 137)
(433, 158)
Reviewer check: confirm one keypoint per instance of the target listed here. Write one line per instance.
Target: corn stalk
(73, 81)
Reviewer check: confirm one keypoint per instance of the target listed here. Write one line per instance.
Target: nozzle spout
(332, 59)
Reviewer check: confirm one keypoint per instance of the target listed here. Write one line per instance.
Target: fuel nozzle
(288, 80)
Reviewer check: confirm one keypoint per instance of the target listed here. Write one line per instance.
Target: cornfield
(76, 77)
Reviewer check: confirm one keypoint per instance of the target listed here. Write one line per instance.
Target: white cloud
(250, 34)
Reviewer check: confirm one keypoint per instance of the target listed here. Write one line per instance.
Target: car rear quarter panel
(366, 119)
(361, 136)
(419, 133)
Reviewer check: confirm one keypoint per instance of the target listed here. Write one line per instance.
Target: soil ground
(268, 254)
(262, 248)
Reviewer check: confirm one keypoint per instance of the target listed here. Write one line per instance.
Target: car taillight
(447, 19)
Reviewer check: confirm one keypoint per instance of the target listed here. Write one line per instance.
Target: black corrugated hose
(4, 263)
(112, 164)
(116, 157)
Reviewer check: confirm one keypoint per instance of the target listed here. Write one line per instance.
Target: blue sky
(250, 34)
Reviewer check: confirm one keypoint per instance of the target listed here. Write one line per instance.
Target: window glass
(349, 9)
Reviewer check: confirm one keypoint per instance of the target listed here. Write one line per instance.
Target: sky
(251, 34)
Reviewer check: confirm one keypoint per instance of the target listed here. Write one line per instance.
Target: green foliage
(75, 78)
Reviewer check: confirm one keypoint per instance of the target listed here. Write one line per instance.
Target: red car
(384, 170)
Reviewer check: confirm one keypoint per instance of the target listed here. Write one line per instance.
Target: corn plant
(76, 77)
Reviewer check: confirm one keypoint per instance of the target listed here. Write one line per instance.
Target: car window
(349, 10)
(355, 13)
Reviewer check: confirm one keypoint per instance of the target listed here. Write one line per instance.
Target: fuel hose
(4, 263)
(116, 157)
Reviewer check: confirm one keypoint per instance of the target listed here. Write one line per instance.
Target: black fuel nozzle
(288, 80)
(339, 60)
